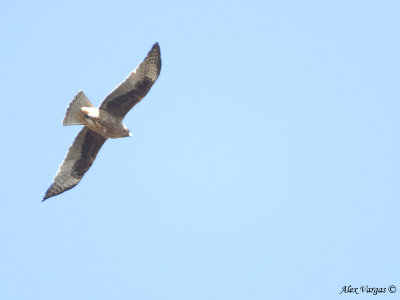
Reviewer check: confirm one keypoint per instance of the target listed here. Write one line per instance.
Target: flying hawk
(103, 122)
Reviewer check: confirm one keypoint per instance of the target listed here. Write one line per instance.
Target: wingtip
(155, 52)
(48, 193)
(156, 47)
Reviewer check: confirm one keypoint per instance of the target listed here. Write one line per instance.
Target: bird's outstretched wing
(135, 86)
(78, 160)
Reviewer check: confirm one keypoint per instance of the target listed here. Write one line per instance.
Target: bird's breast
(105, 124)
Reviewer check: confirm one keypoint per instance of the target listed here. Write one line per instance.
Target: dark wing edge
(78, 160)
(135, 86)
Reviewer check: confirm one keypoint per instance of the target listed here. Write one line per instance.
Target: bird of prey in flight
(103, 122)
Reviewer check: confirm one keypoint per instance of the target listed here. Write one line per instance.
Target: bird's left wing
(135, 87)
(78, 160)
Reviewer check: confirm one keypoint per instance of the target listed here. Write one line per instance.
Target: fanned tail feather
(74, 114)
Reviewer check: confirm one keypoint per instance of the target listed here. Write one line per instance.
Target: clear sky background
(264, 162)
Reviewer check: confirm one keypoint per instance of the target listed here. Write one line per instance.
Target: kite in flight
(103, 122)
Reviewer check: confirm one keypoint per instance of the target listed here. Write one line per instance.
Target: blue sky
(264, 162)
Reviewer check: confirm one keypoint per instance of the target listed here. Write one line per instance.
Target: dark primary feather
(78, 160)
(135, 86)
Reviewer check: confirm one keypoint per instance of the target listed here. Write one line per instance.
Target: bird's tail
(74, 115)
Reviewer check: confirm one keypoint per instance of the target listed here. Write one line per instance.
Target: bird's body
(103, 122)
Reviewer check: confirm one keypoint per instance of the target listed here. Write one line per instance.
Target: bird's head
(127, 132)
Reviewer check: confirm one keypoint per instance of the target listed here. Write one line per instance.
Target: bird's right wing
(135, 87)
(78, 160)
